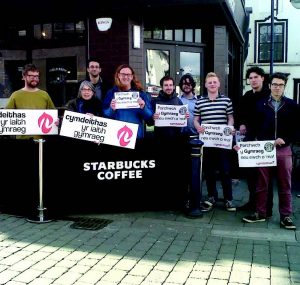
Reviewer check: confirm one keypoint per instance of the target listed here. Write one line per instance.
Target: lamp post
(295, 3)
(272, 38)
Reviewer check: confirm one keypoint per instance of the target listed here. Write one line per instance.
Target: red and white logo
(45, 123)
(124, 135)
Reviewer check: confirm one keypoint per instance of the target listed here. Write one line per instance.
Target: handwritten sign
(28, 122)
(127, 100)
(219, 136)
(97, 129)
(257, 154)
(171, 115)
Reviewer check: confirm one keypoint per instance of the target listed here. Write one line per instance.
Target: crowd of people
(265, 113)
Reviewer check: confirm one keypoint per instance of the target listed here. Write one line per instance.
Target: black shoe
(254, 218)
(287, 223)
(208, 204)
(247, 207)
(298, 195)
(229, 206)
(194, 214)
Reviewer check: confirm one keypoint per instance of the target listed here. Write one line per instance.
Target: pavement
(152, 248)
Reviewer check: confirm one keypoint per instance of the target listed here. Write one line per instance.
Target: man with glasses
(275, 119)
(94, 70)
(187, 86)
(30, 96)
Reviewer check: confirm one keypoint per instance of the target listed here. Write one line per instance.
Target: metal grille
(92, 224)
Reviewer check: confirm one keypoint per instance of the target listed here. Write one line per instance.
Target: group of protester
(264, 114)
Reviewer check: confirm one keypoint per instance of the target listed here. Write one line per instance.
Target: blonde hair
(211, 74)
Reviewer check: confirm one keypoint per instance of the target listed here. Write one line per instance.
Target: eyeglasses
(126, 74)
(33, 76)
(94, 66)
(275, 85)
(86, 89)
(187, 84)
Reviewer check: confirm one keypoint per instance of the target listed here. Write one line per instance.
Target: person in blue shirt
(126, 81)
(188, 97)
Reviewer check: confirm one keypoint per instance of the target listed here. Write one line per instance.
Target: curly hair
(29, 67)
(190, 79)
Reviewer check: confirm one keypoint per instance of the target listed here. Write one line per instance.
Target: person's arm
(197, 124)
(108, 112)
(11, 103)
(146, 108)
(230, 120)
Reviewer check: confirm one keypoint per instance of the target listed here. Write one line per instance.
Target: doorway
(173, 60)
(297, 90)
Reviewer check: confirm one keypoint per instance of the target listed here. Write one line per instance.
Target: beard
(32, 84)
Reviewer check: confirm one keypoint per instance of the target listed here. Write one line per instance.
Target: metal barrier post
(196, 178)
(40, 218)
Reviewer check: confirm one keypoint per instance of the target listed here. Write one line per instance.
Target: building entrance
(173, 60)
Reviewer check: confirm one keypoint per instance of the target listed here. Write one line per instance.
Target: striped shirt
(213, 111)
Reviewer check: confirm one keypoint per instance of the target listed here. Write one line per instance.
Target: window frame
(283, 45)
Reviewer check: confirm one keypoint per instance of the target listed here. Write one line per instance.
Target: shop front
(156, 38)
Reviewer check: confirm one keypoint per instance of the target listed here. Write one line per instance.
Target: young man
(260, 90)
(167, 96)
(30, 96)
(214, 108)
(275, 119)
(94, 70)
(187, 86)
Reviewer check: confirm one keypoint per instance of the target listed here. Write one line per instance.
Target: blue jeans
(217, 159)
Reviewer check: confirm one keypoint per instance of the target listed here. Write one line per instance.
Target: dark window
(180, 35)
(264, 42)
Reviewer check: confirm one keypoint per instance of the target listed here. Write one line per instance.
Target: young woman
(126, 81)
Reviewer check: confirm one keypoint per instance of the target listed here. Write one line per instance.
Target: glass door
(172, 60)
(189, 60)
(159, 62)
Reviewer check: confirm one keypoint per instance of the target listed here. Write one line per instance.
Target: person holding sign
(165, 106)
(30, 96)
(127, 101)
(275, 119)
(86, 101)
(215, 108)
(259, 90)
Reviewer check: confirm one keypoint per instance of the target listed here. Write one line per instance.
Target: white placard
(97, 129)
(28, 122)
(257, 154)
(171, 115)
(127, 100)
(219, 136)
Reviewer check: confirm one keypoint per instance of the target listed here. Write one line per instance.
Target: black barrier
(81, 176)
(195, 188)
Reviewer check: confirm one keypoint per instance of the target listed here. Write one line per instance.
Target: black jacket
(166, 132)
(270, 124)
(247, 107)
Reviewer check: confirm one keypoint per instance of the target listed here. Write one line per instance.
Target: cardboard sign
(171, 115)
(28, 122)
(99, 130)
(257, 154)
(127, 100)
(219, 136)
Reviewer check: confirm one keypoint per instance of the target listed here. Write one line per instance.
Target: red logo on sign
(45, 121)
(124, 135)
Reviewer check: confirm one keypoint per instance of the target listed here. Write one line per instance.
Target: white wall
(261, 10)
